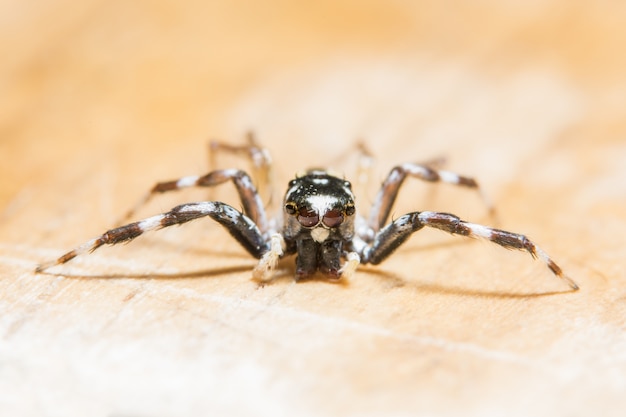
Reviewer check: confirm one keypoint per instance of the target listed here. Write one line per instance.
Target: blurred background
(478, 82)
(100, 99)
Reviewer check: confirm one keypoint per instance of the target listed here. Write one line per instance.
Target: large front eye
(291, 207)
(333, 218)
(308, 217)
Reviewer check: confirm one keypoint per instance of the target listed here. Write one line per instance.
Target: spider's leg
(259, 157)
(252, 204)
(241, 227)
(365, 166)
(268, 261)
(365, 161)
(392, 236)
(349, 267)
(390, 187)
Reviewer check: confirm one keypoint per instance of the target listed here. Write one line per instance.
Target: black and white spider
(318, 221)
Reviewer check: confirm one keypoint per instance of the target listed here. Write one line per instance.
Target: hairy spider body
(318, 221)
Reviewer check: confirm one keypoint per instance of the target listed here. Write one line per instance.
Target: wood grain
(102, 99)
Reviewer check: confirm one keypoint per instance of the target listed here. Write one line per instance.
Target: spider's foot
(63, 259)
(44, 267)
(570, 282)
(554, 267)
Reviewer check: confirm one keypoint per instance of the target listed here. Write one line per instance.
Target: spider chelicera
(318, 221)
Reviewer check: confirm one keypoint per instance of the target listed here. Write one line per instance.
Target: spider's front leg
(240, 226)
(396, 233)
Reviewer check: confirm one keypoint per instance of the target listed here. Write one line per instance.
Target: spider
(318, 221)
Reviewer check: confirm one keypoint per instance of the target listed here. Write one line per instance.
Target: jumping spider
(318, 222)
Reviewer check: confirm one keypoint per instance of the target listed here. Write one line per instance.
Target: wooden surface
(101, 99)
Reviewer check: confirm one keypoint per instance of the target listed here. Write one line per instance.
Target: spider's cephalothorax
(319, 221)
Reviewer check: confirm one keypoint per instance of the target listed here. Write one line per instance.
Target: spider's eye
(350, 210)
(333, 218)
(291, 208)
(308, 217)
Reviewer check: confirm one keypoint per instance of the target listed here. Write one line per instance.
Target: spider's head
(321, 203)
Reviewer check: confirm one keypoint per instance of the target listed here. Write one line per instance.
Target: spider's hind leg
(260, 159)
(252, 196)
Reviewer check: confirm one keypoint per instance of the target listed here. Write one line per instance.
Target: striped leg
(259, 157)
(241, 227)
(389, 190)
(392, 236)
(252, 204)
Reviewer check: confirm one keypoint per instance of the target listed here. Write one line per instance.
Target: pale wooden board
(101, 99)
